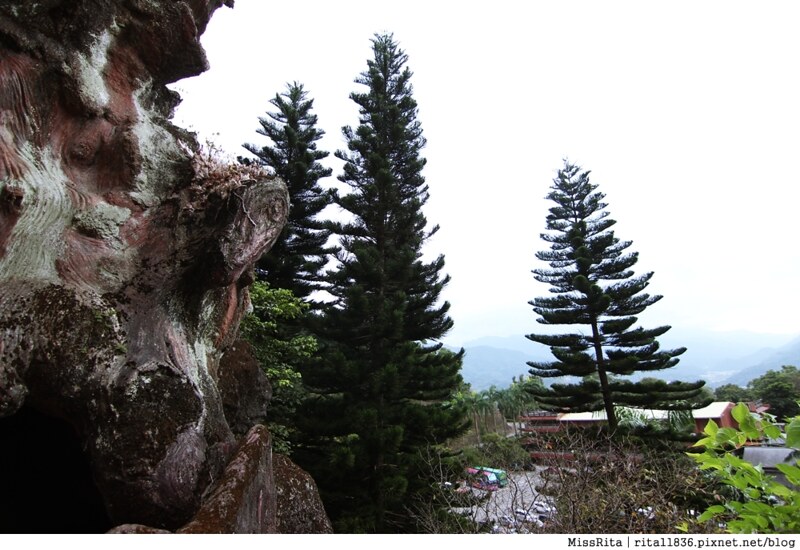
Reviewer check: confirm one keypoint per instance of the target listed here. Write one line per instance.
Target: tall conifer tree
(590, 274)
(296, 259)
(382, 389)
(279, 329)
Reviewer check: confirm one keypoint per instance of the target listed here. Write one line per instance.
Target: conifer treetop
(298, 256)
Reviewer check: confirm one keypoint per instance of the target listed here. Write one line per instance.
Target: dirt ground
(517, 508)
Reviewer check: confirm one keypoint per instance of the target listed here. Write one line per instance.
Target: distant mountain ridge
(716, 357)
(486, 366)
(785, 355)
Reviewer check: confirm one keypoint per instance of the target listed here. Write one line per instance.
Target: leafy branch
(761, 504)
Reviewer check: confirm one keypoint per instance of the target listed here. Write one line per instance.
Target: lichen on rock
(101, 222)
(299, 507)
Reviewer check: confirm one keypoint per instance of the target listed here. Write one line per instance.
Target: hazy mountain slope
(785, 355)
(486, 366)
(717, 357)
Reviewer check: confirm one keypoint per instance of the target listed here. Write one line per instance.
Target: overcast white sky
(687, 114)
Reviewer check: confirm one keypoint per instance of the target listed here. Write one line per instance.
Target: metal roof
(714, 410)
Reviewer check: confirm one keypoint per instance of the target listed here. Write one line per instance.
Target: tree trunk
(601, 371)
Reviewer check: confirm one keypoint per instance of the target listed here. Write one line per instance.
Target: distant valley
(716, 357)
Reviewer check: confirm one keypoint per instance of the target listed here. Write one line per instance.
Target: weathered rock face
(125, 255)
(300, 510)
(244, 499)
(244, 388)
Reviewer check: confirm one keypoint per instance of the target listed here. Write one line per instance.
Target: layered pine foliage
(296, 259)
(593, 286)
(381, 389)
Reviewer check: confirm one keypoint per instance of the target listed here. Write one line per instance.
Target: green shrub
(761, 504)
